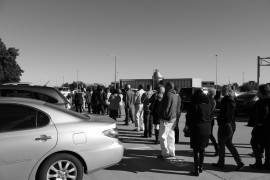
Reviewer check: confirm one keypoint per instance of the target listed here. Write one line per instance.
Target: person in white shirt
(139, 125)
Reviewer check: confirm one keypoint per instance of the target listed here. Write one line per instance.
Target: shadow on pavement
(146, 161)
(136, 161)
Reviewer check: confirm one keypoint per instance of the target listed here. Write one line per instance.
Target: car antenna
(46, 83)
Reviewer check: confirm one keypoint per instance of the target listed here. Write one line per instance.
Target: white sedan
(41, 141)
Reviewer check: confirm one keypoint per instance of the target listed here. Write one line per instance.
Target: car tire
(61, 165)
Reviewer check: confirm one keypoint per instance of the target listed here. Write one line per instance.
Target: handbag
(186, 131)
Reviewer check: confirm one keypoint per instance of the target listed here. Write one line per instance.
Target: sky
(65, 40)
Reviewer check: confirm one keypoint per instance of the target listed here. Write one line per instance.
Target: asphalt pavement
(140, 162)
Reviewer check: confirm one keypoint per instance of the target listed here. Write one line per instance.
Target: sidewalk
(184, 155)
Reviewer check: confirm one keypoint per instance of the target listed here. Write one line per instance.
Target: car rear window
(46, 98)
(70, 112)
(16, 93)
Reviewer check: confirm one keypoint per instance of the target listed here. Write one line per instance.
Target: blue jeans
(148, 124)
(129, 114)
(225, 136)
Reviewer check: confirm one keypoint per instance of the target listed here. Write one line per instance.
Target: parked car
(44, 93)
(245, 102)
(187, 93)
(42, 141)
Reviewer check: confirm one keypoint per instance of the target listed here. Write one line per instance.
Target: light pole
(115, 72)
(243, 77)
(216, 69)
(77, 80)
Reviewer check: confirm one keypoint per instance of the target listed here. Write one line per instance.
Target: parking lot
(140, 160)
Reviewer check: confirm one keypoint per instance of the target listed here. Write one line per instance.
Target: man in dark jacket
(129, 104)
(226, 129)
(79, 100)
(260, 133)
(168, 112)
(148, 122)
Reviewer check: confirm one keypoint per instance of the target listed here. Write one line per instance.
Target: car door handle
(43, 138)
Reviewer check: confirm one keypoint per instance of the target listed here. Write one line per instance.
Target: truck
(134, 83)
(184, 82)
(179, 82)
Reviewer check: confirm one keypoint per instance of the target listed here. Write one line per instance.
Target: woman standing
(114, 100)
(211, 94)
(199, 122)
(155, 102)
(89, 93)
(120, 103)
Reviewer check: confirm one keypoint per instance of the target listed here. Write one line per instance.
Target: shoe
(162, 157)
(195, 173)
(256, 166)
(200, 169)
(157, 141)
(217, 165)
(171, 155)
(136, 130)
(240, 167)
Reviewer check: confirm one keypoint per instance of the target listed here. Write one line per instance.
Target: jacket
(146, 100)
(227, 109)
(263, 113)
(170, 106)
(129, 98)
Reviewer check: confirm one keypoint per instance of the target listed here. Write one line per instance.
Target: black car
(245, 103)
(187, 93)
(44, 93)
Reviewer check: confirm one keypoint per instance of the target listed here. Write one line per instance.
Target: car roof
(25, 87)
(38, 89)
(19, 83)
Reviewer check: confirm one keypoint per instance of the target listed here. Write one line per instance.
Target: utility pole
(115, 72)
(77, 80)
(243, 77)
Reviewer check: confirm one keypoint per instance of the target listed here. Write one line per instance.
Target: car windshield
(70, 112)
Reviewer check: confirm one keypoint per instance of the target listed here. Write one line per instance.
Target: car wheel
(61, 167)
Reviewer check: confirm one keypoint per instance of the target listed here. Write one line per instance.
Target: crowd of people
(97, 100)
(160, 110)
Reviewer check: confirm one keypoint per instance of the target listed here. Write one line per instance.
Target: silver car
(42, 141)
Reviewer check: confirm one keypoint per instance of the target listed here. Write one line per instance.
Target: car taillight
(113, 133)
